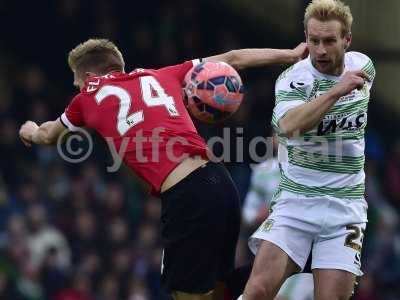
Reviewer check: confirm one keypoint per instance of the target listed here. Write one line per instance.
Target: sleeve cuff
(64, 120)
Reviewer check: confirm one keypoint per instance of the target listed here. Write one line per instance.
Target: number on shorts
(356, 233)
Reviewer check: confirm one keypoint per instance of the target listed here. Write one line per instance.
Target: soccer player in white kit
(319, 208)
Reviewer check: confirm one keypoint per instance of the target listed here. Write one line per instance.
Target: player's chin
(324, 66)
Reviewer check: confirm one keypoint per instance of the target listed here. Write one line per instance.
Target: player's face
(327, 45)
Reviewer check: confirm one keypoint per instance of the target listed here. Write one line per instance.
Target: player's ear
(347, 39)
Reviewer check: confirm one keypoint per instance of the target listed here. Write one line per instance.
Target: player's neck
(338, 70)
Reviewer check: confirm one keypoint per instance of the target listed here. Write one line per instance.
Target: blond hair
(326, 10)
(96, 55)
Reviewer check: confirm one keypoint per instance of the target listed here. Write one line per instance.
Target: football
(213, 91)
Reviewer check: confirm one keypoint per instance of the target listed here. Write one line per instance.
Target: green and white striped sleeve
(290, 91)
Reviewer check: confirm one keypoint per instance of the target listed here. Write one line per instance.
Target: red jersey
(142, 113)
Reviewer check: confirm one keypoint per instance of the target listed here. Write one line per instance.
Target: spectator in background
(7, 291)
(44, 239)
(393, 175)
(79, 289)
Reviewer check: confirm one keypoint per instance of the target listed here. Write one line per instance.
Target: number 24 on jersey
(148, 85)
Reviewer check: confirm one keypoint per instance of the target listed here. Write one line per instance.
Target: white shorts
(332, 228)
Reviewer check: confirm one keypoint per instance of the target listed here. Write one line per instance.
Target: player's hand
(300, 52)
(350, 81)
(26, 131)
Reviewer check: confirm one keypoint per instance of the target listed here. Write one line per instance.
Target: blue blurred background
(71, 231)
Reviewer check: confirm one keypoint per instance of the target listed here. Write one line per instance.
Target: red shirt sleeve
(179, 71)
(73, 116)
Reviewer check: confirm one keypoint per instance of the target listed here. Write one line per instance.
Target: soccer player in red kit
(200, 204)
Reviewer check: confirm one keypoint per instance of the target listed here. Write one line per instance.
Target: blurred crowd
(74, 231)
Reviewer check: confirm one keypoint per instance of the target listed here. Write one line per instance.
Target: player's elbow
(235, 59)
(288, 128)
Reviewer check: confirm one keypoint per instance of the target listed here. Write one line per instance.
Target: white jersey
(329, 159)
(264, 182)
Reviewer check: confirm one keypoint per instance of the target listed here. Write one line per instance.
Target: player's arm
(45, 134)
(246, 58)
(306, 116)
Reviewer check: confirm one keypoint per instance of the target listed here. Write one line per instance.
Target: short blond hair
(96, 55)
(326, 10)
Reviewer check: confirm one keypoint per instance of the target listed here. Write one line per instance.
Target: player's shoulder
(141, 72)
(357, 60)
(299, 73)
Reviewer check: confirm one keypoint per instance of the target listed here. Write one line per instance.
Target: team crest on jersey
(267, 225)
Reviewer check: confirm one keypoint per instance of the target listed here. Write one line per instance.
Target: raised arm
(306, 116)
(45, 134)
(247, 58)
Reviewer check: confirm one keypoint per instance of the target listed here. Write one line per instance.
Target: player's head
(94, 57)
(327, 25)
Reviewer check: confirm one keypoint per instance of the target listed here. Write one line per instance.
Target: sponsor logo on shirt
(295, 85)
(343, 123)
